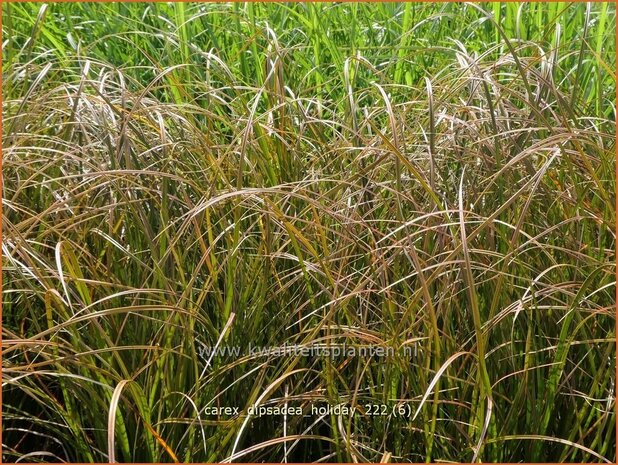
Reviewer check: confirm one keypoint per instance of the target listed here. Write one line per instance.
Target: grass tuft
(186, 178)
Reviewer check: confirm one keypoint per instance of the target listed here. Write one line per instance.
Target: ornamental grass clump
(392, 225)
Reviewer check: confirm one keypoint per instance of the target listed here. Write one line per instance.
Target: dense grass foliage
(437, 177)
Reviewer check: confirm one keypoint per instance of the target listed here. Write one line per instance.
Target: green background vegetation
(181, 176)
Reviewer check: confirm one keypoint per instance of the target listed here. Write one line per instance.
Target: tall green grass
(434, 176)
